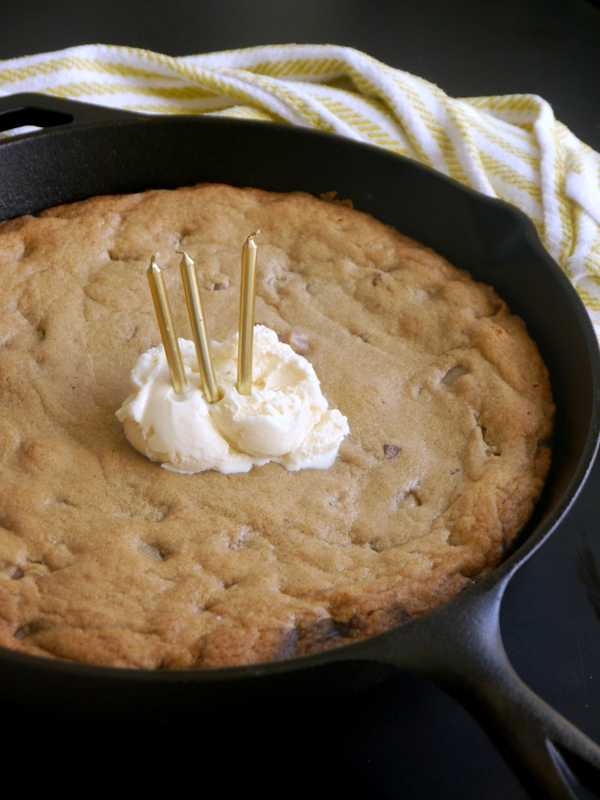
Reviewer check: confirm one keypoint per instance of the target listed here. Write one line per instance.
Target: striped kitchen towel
(508, 146)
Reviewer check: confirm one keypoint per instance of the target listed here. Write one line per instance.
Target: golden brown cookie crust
(106, 558)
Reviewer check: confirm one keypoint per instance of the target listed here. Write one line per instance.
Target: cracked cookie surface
(107, 558)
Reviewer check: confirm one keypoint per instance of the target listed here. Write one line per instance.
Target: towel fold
(509, 146)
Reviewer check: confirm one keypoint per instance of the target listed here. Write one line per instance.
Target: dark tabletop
(403, 738)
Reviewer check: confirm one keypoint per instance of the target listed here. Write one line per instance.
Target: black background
(403, 738)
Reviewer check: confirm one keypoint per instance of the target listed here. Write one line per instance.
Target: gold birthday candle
(198, 324)
(166, 325)
(246, 323)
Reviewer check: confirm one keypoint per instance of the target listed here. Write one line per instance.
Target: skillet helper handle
(45, 111)
(460, 650)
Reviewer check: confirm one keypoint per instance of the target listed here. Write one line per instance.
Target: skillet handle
(45, 111)
(460, 650)
(549, 755)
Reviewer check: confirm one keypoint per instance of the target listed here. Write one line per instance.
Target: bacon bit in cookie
(391, 451)
(377, 278)
(296, 341)
(218, 287)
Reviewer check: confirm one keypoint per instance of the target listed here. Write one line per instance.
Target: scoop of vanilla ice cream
(285, 419)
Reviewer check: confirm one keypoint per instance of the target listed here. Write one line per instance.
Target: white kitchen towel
(510, 146)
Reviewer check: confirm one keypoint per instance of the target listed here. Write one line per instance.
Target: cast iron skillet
(88, 150)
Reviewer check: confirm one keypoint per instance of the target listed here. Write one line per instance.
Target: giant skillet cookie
(107, 558)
